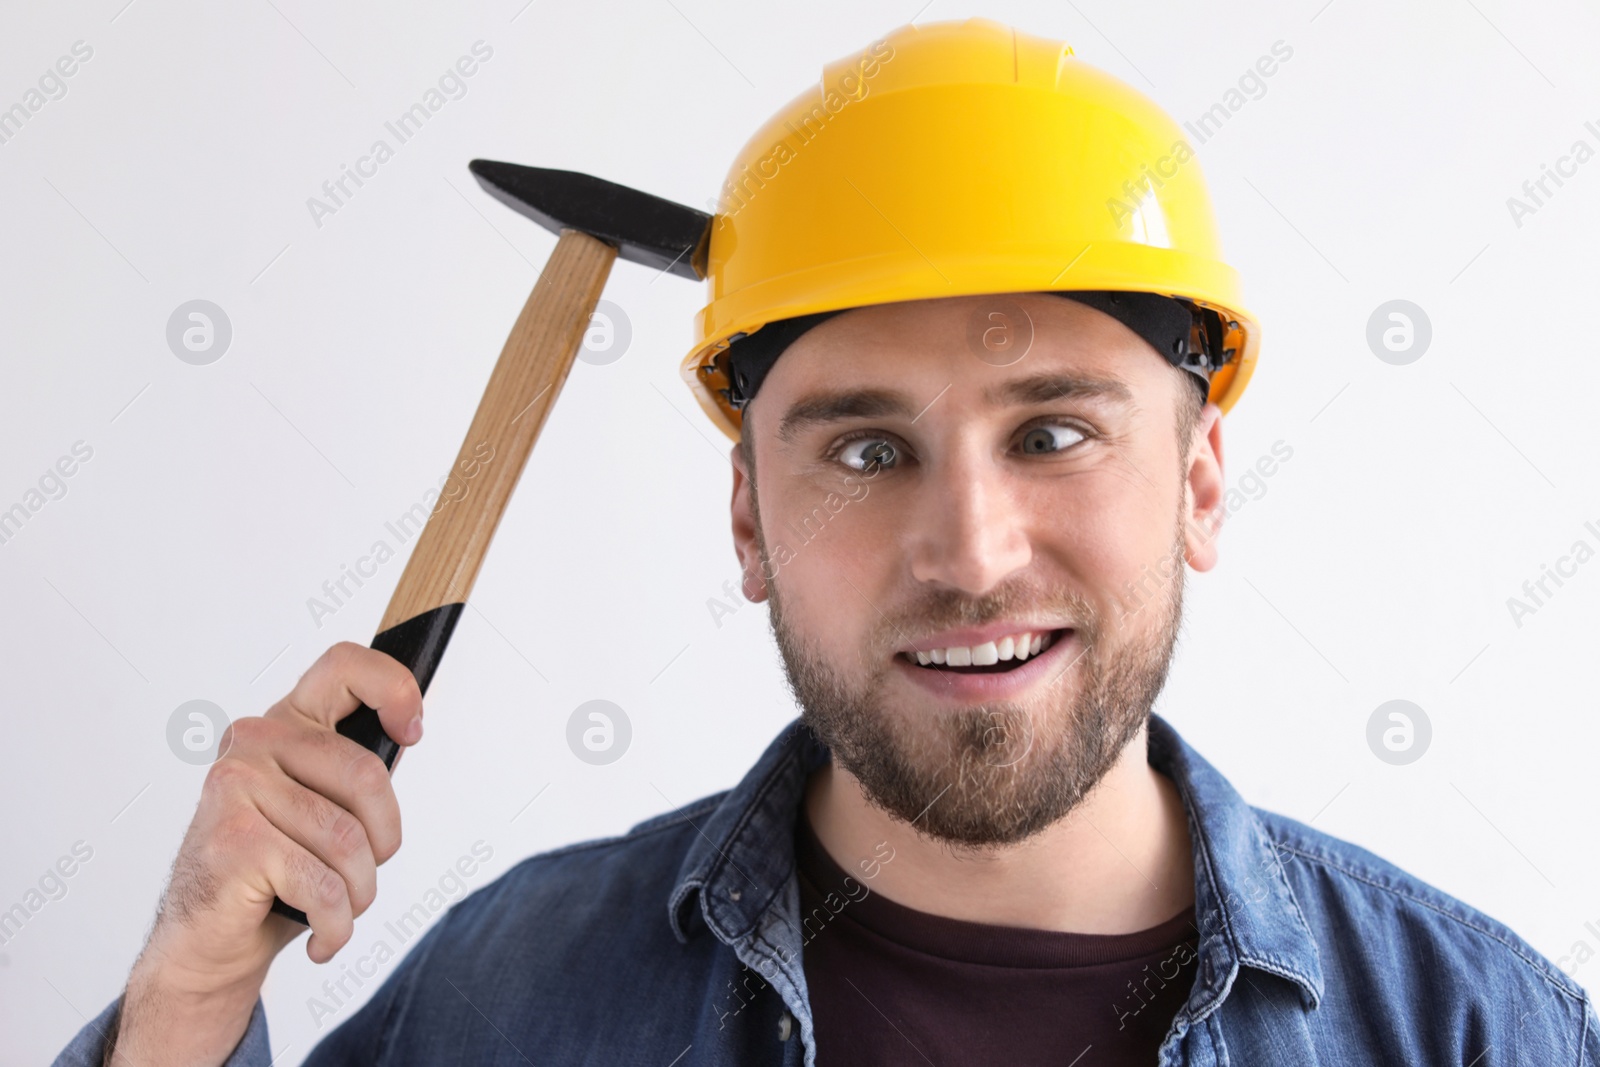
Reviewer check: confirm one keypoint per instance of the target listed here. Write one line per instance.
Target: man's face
(932, 510)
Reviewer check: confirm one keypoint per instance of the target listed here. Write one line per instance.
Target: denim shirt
(681, 943)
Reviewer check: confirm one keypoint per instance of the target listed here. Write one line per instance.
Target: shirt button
(785, 1026)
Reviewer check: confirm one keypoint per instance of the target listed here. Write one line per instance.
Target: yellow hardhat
(955, 159)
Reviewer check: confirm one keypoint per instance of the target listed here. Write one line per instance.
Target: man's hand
(291, 809)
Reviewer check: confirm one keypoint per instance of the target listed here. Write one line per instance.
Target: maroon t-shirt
(890, 985)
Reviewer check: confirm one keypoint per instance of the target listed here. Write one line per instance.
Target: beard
(983, 776)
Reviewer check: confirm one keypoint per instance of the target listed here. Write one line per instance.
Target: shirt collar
(742, 857)
(1245, 910)
(742, 854)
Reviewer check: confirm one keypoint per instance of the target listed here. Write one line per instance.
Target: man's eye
(868, 451)
(1050, 438)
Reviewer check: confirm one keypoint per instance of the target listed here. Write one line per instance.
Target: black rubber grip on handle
(419, 643)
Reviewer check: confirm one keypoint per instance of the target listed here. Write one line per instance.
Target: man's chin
(968, 776)
(942, 737)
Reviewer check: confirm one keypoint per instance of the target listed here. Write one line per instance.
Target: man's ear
(1204, 490)
(743, 511)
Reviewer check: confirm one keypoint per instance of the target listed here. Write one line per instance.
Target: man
(974, 341)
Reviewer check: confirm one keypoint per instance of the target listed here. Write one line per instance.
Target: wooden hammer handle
(532, 367)
(455, 536)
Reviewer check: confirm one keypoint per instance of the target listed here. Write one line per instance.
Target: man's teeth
(1016, 646)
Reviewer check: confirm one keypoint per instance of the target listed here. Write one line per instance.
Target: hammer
(597, 221)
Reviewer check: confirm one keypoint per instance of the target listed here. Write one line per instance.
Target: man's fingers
(348, 675)
(330, 833)
(348, 775)
(316, 826)
(251, 845)
(302, 880)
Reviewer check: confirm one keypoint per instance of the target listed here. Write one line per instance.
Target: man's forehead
(891, 360)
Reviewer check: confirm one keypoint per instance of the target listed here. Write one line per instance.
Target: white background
(1376, 565)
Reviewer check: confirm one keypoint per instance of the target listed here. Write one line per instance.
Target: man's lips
(1002, 679)
(999, 645)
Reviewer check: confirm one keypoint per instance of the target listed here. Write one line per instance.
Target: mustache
(933, 610)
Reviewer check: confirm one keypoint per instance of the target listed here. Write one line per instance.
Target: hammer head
(645, 229)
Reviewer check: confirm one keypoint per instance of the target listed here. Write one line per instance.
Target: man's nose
(968, 531)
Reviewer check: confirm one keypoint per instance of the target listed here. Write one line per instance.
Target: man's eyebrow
(1045, 388)
(825, 407)
(831, 407)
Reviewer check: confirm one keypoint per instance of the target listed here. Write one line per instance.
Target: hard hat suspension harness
(1186, 335)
